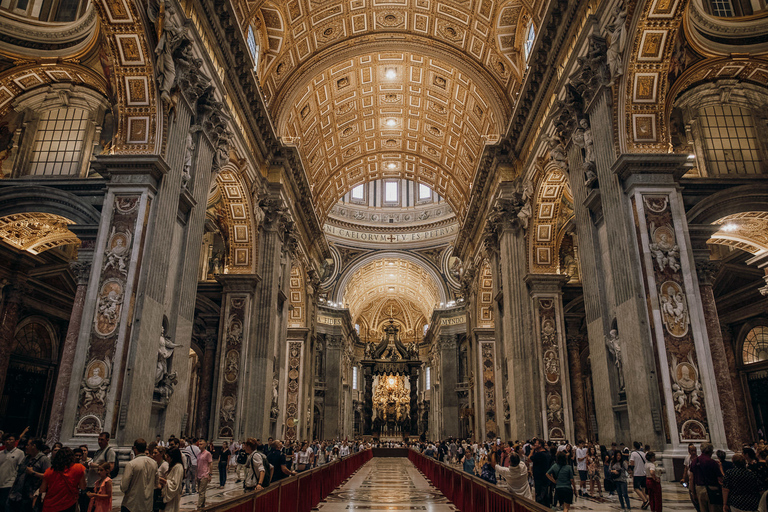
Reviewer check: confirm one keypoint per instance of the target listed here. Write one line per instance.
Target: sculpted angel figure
(665, 251)
(557, 152)
(108, 306)
(679, 397)
(617, 29)
(170, 35)
(526, 212)
(118, 251)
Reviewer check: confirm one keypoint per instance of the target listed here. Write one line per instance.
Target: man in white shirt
(581, 465)
(10, 460)
(139, 480)
(344, 450)
(637, 468)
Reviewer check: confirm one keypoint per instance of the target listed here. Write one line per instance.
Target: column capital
(232, 283)
(541, 284)
(707, 271)
(661, 170)
(131, 170)
(81, 270)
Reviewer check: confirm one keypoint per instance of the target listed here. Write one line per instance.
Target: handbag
(157, 500)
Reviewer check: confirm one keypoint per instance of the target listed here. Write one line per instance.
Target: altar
(390, 392)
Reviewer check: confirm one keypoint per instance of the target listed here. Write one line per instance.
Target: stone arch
(39, 199)
(511, 30)
(351, 269)
(741, 199)
(237, 221)
(48, 330)
(644, 87)
(545, 227)
(274, 26)
(128, 51)
(22, 79)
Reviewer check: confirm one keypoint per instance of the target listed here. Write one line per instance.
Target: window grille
(755, 347)
(58, 146)
(730, 139)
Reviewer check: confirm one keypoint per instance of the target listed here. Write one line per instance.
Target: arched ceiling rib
(391, 277)
(393, 114)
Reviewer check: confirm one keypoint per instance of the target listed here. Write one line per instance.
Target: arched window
(755, 348)
(730, 140)
(253, 46)
(34, 339)
(530, 37)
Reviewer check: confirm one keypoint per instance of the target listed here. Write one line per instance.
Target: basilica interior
(385, 219)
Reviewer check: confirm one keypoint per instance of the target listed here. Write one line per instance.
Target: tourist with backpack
(105, 453)
(561, 474)
(241, 458)
(256, 467)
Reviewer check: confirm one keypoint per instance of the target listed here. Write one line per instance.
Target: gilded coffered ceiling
(407, 314)
(36, 232)
(747, 231)
(370, 89)
(391, 277)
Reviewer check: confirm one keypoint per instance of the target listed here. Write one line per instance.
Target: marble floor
(395, 484)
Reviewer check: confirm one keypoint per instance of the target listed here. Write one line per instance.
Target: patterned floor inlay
(387, 484)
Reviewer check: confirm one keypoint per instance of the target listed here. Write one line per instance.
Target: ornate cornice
(25, 37)
(541, 71)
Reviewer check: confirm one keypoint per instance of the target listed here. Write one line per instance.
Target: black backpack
(116, 466)
(267, 468)
(242, 456)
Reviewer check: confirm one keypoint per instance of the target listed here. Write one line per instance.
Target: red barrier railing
(300, 493)
(468, 492)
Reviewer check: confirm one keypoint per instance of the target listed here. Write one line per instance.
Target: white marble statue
(164, 354)
(612, 342)
(617, 30)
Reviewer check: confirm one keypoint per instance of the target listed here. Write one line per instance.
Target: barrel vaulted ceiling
(371, 89)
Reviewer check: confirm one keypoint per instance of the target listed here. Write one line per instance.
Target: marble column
(81, 268)
(740, 401)
(504, 234)
(233, 396)
(573, 344)
(10, 318)
(687, 373)
(734, 431)
(367, 400)
(205, 393)
(266, 321)
(333, 390)
(414, 405)
(449, 407)
(547, 304)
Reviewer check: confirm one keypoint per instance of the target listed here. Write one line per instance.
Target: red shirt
(63, 487)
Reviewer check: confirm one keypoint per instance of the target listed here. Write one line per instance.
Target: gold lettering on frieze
(456, 320)
(390, 238)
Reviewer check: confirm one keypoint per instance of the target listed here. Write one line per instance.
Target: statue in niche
(526, 212)
(190, 149)
(170, 35)
(557, 153)
(582, 137)
(571, 267)
(612, 342)
(215, 263)
(164, 354)
(274, 411)
(617, 30)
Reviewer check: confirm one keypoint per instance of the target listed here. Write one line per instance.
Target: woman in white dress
(173, 480)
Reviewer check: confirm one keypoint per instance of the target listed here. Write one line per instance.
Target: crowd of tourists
(547, 471)
(35, 477)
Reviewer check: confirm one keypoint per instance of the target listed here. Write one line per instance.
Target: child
(101, 497)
